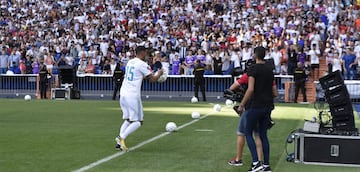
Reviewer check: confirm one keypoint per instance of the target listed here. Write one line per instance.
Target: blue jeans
(261, 117)
(3, 70)
(242, 125)
(349, 74)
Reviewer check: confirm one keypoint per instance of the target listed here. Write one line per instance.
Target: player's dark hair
(260, 52)
(140, 49)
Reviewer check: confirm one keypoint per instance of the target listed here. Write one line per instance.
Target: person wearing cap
(136, 71)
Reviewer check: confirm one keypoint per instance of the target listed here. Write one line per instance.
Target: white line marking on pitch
(204, 130)
(108, 158)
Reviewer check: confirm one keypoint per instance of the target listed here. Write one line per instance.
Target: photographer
(238, 89)
(261, 91)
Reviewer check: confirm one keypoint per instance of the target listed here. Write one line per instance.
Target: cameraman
(261, 91)
(241, 86)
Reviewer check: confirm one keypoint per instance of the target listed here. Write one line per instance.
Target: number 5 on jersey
(130, 73)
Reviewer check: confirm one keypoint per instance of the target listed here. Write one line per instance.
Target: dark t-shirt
(264, 77)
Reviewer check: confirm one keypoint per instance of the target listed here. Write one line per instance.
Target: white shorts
(49, 66)
(132, 108)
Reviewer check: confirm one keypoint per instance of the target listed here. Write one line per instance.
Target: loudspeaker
(337, 95)
(332, 79)
(67, 75)
(345, 109)
(339, 101)
(75, 93)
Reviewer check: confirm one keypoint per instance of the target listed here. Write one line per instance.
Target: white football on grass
(170, 126)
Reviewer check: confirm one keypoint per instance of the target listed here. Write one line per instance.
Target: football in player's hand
(163, 77)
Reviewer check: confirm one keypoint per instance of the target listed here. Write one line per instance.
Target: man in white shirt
(130, 95)
(276, 56)
(314, 54)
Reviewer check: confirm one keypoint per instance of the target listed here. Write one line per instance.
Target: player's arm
(154, 77)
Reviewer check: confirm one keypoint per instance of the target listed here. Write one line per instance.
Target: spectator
(90, 68)
(176, 65)
(81, 68)
(337, 63)
(3, 62)
(292, 61)
(107, 68)
(35, 66)
(276, 55)
(314, 54)
(112, 66)
(28, 65)
(22, 67)
(189, 63)
(217, 64)
(349, 67)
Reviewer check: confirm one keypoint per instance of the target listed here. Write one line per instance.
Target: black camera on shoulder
(234, 96)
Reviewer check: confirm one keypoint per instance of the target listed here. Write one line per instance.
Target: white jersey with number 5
(136, 71)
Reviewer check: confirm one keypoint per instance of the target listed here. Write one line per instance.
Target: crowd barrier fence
(175, 86)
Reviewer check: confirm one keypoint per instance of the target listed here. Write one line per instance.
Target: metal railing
(101, 86)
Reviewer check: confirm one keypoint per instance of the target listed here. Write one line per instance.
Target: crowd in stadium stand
(94, 35)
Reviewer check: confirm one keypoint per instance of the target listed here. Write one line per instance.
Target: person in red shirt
(241, 84)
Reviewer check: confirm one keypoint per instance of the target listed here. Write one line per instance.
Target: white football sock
(131, 128)
(124, 126)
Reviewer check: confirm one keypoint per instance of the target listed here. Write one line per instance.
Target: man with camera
(236, 93)
(261, 91)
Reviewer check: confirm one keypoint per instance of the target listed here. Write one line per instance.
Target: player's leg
(259, 149)
(125, 110)
(135, 117)
(237, 161)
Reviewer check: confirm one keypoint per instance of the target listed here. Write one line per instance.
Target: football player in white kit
(130, 95)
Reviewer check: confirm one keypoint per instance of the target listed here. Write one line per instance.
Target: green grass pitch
(61, 136)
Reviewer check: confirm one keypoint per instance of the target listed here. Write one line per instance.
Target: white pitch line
(108, 158)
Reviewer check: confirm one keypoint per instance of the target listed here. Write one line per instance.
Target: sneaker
(121, 142)
(256, 168)
(118, 147)
(233, 162)
(267, 169)
(271, 124)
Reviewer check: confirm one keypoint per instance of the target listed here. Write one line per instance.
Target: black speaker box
(75, 93)
(67, 75)
(344, 123)
(341, 110)
(332, 79)
(337, 96)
